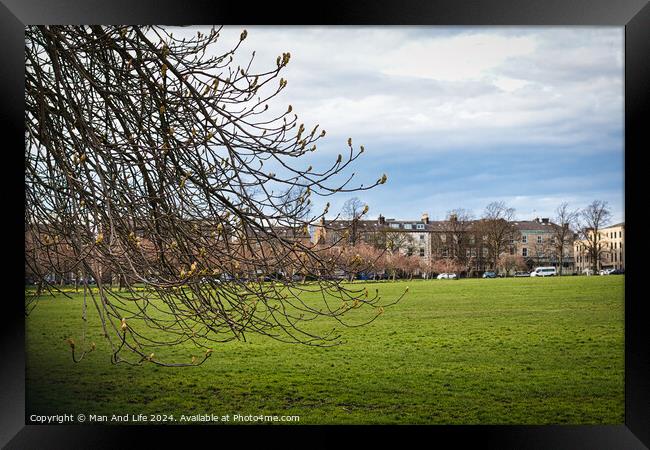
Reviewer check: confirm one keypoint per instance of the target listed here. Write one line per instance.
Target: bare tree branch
(153, 164)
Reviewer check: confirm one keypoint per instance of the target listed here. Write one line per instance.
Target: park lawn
(475, 351)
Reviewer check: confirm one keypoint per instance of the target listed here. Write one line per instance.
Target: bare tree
(511, 263)
(447, 265)
(361, 258)
(426, 267)
(397, 241)
(295, 209)
(157, 159)
(353, 209)
(395, 263)
(591, 220)
(457, 227)
(396, 250)
(410, 265)
(496, 230)
(563, 233)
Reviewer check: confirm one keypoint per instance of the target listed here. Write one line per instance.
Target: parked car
(617, 272)
(522, 274)
(446, 276)
(544, 272)
(605, 271)
(489, 275)
(210, 279)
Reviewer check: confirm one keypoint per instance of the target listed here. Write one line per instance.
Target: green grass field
(500, 351)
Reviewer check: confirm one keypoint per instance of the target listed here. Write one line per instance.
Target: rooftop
(431, 225)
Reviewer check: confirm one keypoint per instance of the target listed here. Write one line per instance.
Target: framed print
(386, 214)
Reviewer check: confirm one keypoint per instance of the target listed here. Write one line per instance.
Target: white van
(544, 272)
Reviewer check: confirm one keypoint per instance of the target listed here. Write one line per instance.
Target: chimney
(453, 217)
(545, 220)
(425, 218)
(381, 220)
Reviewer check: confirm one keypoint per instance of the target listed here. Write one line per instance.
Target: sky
(458, 117)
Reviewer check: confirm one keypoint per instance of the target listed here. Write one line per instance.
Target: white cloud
(418, 91)
(447, 85)
(462, 57)
(509, 84)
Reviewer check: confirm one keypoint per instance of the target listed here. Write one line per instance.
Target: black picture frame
(634, 15)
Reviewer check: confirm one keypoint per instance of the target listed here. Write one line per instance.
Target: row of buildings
(468, 245)
(612, 239)
(532, 240)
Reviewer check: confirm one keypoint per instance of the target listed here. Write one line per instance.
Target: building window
(512, 250)
(421, 237)
(443, 237)
(394, 225)
(408, 226)
(421, 252)
(485, 252)
(524, 239)
(420, 226)
(472, 240)
(524, 251)
(539, 239)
